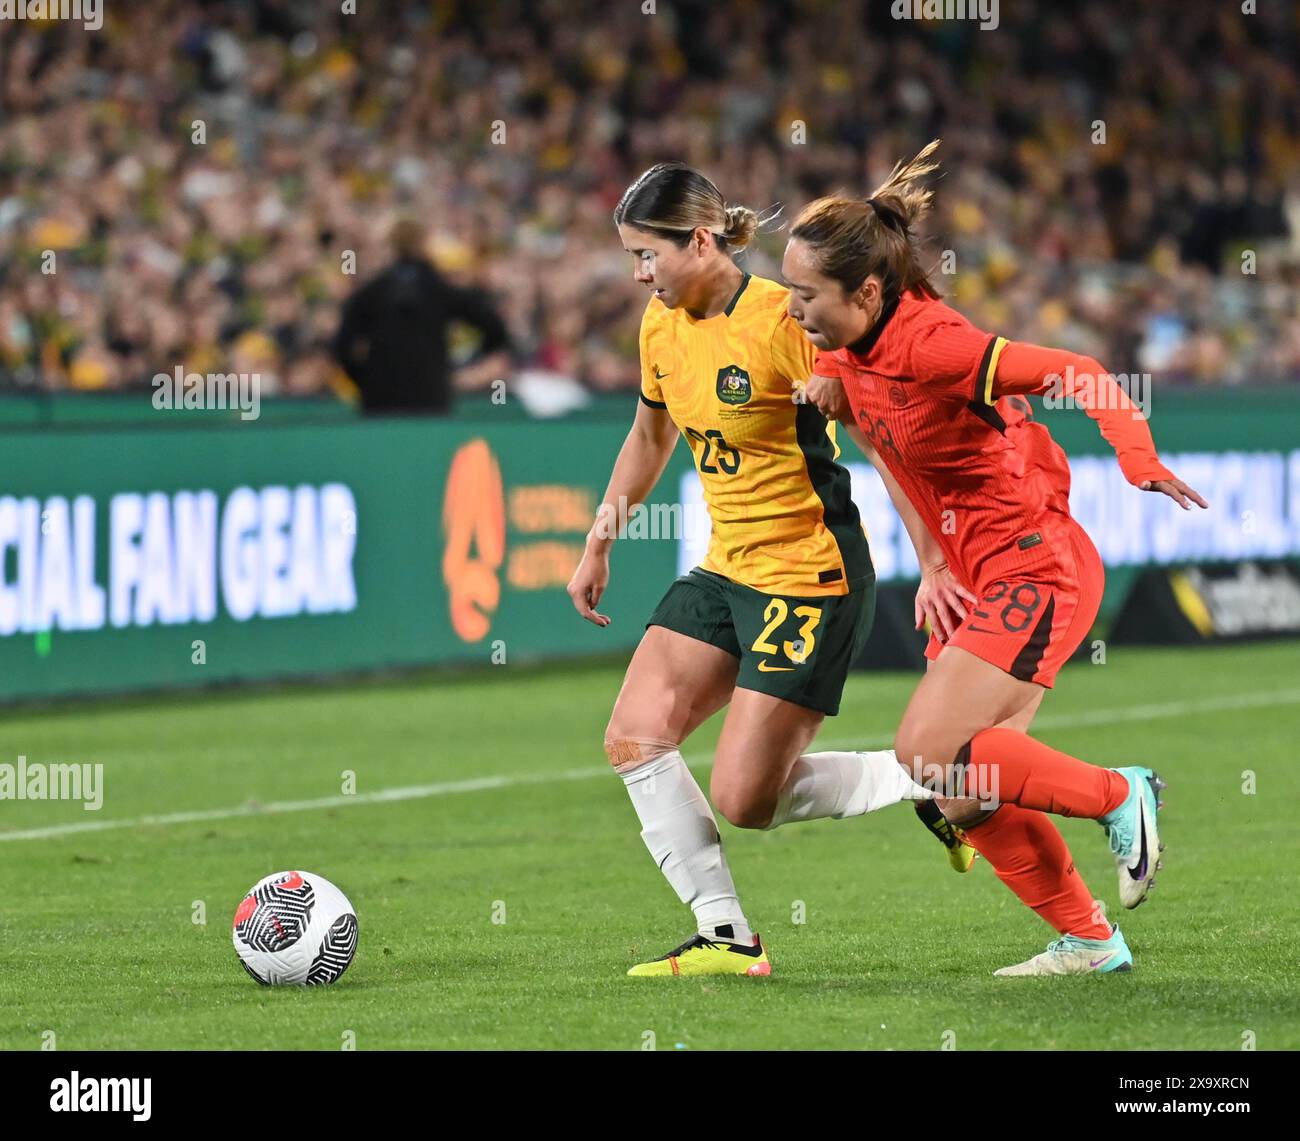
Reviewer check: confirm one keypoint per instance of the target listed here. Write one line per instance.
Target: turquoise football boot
(1133, 835)
(1071, 955)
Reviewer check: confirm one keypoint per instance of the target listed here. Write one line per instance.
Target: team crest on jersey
(733, 385)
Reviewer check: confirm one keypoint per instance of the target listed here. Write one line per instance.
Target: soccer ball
(295, 928)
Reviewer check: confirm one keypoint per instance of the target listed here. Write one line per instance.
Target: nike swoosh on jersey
(764, 668)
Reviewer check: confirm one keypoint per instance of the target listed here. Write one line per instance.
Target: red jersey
(937, 398)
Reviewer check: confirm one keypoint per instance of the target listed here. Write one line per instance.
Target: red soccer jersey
(937, 398)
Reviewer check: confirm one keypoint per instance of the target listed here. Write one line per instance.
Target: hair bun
(891, 212)
(742, 223)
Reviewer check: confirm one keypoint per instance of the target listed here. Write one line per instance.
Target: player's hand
(1177, 490)
(939, 601)
(588, 584)
(827, 394)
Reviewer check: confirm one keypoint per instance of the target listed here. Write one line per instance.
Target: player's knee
(930, 758)
(909, 752)
(744, 810)
(626, 753)
(924, 754)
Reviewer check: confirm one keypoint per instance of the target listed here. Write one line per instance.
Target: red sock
(1029, 855)
(1012, 768)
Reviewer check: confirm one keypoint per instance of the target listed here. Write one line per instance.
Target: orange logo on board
(474, 523)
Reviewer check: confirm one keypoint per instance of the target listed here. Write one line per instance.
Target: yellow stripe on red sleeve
(988, 370)
(1034, 368)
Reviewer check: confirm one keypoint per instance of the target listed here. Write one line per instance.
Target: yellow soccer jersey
(783, 521)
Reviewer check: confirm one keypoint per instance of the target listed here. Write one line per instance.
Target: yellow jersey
(783, 520)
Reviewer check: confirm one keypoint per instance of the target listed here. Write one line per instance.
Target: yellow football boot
(960, 853)
(963, 854)
(702, 956)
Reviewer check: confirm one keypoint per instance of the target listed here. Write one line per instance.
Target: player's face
(659, 265)
(830, 317)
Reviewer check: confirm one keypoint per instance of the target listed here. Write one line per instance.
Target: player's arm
(641, 461)
(939, 597)
(814, 377)
(828, 395)
(1024, 368)
(938, 600)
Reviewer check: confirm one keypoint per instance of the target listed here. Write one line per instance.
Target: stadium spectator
(392, 340)
(197, 176)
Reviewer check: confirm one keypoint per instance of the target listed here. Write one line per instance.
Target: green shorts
(797, 649)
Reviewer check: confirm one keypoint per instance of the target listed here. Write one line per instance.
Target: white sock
(843, 784)
(678, 827)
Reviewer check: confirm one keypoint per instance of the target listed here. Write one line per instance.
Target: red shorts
(1030, 623)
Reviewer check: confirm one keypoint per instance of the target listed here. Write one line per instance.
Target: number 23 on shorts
(800, 649)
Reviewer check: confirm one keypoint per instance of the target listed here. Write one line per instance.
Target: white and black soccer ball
(295, 929)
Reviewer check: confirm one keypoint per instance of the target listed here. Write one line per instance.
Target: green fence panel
(136, 558)
(133, 557)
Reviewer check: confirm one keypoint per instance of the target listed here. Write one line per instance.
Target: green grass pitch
(525, 822)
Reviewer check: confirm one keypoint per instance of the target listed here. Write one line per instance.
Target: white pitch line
(444, 788)
(407, 792)
(1132, 713)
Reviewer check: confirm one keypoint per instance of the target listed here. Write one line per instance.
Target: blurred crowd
(1121, 179)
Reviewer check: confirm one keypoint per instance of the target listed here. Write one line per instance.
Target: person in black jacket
(392, 339)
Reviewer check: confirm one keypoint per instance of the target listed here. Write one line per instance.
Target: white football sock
(843, 784)
(678, 827)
